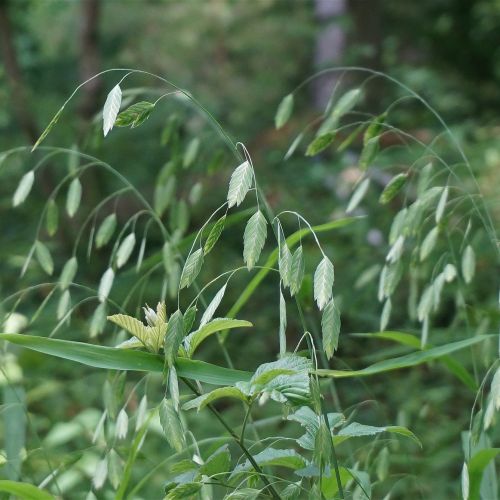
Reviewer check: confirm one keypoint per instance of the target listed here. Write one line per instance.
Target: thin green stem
(238, 441)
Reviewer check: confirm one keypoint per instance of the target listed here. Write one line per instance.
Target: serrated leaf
(368, 153)
(105, 284)
(47, 130)
(44, 258)
(217, 463)
(111, 109)
(274, 457)
(192, 268)
(323, 282)
(125, 250)
(63, 305)
(285, 263)
(214, 234)
(282, 331)
(240, 183)
(330, 327)
(429, 243)
(441, 206)
(284, 111)
(222, 392)
(68, 273)
(194, 339)
(184, 491)
(212, 307)
(393, 188)
(174, 336)
(320, 143)
(297, 267)
(74, 197)
(52, 217)
(468, 264)
(254, 239)
(358, 195)
(191, 152)
(23, 189)
(173, 387)
(135, 115)
(105, 231)
(172, 426)
(131, 325)
(356, 429)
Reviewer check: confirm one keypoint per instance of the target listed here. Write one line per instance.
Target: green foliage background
(239, 58)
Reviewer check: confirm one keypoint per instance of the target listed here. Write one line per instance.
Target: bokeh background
(239, 58)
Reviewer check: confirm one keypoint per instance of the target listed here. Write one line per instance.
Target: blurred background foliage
(239, 58)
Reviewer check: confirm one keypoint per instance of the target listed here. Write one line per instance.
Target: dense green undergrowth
(166, 310)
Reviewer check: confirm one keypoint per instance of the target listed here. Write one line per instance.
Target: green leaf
(214, 234)
(125, 250)
(174, 336)
(172, 426)
(49, 127)
(393, 188)
(191, 152)
(163, 195)
(105, 231)
(222, 392)
(386, 314)
(468, 264)
(254, 239)
(24, 490)
(323, 282)
(192, 268)
(183, 491)
(135, 115)
(289, 459)
(44, 258)
(217, 463)
(74, 197)
(330, 327)
(52, 217)
(212, 307)
(68, 273)
(406, 361)
(356, 429)
(369, 152)
(240, 183)
(320, 143)
(111, 109)
(297, 270)
(284, 111)
(194, 339)
(476, 466)
(358, 195)
(429, 243)
(23, 189)
(111, 358)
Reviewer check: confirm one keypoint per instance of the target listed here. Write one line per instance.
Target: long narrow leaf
(111, 358)
(413, 359)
